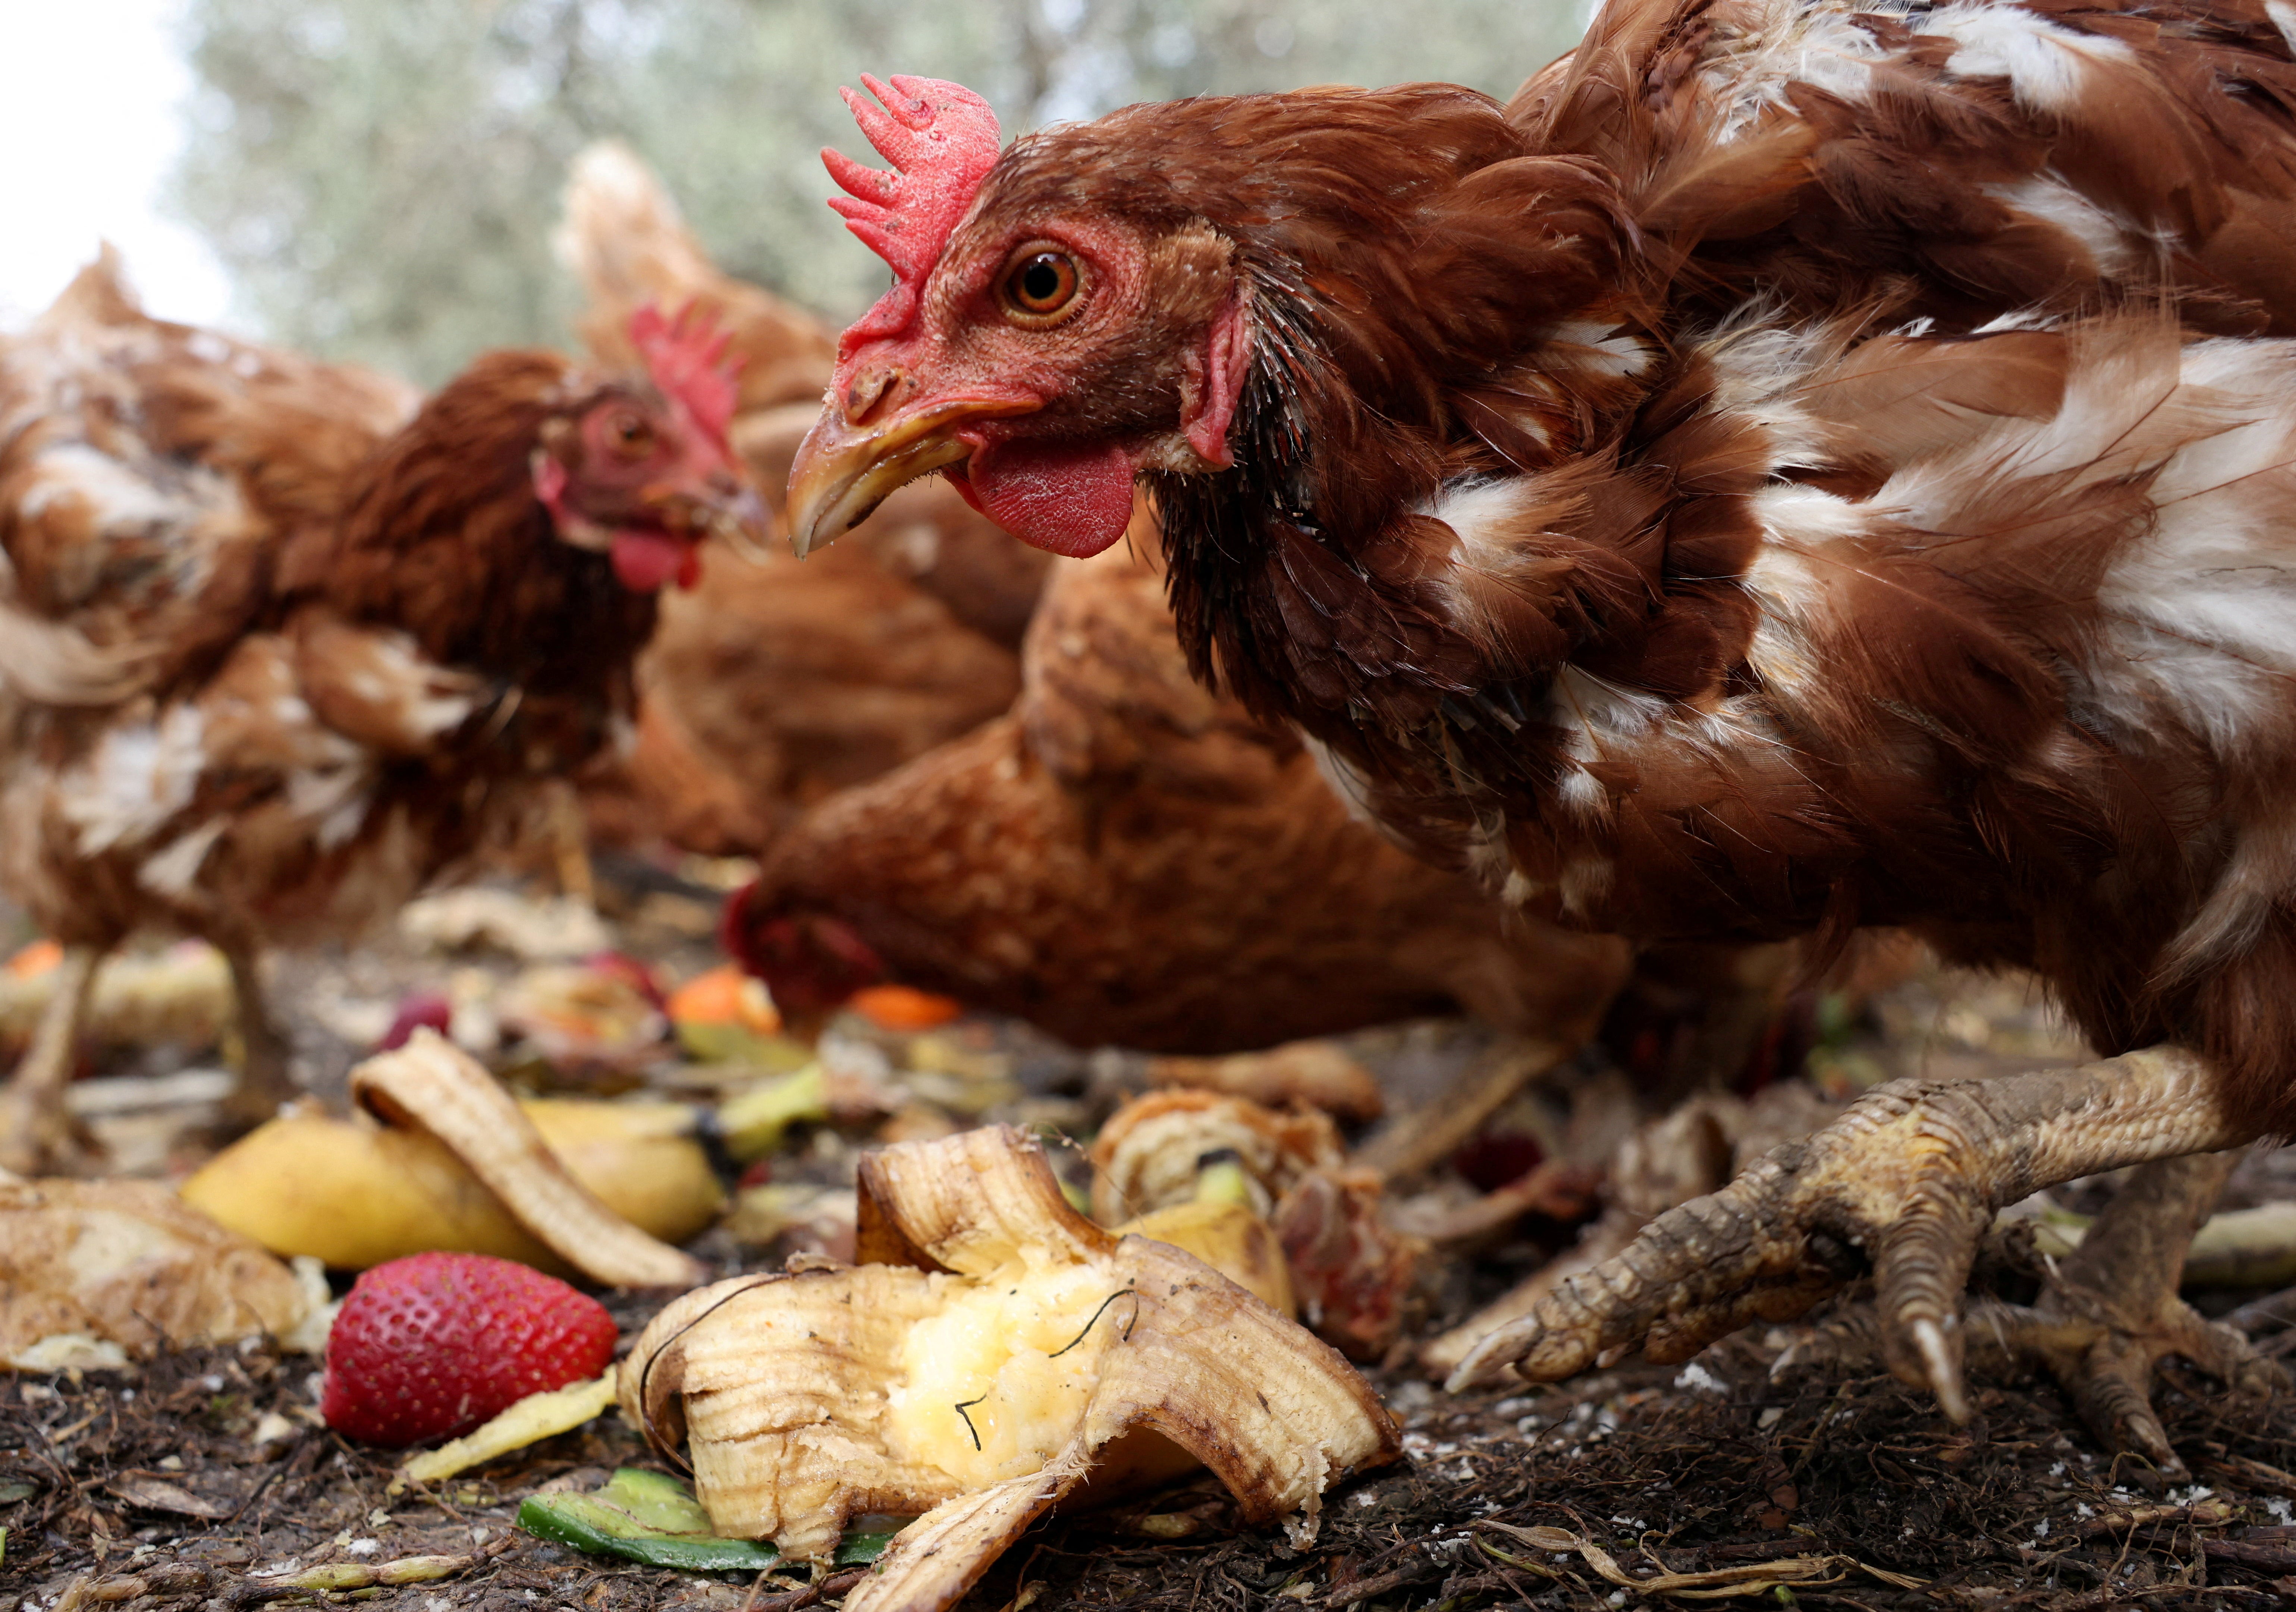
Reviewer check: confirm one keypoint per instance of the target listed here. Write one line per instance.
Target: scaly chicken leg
(2108, 1314)
(36, 1134)
(1912, 1176)
(265, 1078)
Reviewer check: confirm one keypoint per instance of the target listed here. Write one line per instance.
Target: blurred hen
(279, 646)
(774, 683)
(1125, 857)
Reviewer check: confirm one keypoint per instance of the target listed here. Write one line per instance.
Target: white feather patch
(140, 775)
(2047, 66)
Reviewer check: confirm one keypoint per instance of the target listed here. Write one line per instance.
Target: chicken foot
(37, 1134)
(2108, 1314)
(1904, 1182)
(266, 1079)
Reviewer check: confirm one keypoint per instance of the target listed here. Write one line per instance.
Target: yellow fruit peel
(532, 1420)
(979, 1365)
(1152, 1149)
(753, 1122)
(590, 1189)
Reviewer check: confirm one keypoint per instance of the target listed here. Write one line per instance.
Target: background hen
(1638, 491)
(280, 646)
(772, 683)
(1125, 857)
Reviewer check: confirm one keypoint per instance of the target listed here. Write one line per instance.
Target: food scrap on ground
(933, 1379)
(443, 1158)
(94, 1274)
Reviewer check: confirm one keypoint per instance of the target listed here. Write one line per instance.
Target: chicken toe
(1904, 1183)
(2107, 1315)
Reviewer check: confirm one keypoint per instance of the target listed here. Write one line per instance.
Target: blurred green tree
(382, 175)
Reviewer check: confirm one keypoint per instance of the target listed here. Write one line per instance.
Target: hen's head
(641, 469)
(1180, 288)
(812, 962)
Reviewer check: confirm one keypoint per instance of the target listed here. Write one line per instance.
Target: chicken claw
(1904, 1182)
(2108, 1314)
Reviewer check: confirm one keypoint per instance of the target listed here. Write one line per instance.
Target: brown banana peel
(97, 1272)
(1148, 1154)
(572, 1188)
(977, 1367)
(1352, 1272)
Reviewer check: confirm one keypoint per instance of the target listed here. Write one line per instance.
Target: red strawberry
(430, 1347)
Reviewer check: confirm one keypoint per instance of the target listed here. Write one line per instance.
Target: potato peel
(975, 1370)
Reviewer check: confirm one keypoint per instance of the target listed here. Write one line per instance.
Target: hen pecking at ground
(1127, 858)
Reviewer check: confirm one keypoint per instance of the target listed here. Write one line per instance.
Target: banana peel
(979, 1366)
(1152, 1149)
(1230, 1238)
(590, 1189)
(96, 1273)
(1354, 1274)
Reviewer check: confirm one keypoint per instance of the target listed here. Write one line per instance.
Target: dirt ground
(204, 1479)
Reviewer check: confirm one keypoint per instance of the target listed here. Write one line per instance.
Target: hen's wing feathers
(149, 475)
(1978, 157)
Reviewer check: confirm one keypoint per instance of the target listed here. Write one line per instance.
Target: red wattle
(956, 476)
(1069, 501)
(645, 562)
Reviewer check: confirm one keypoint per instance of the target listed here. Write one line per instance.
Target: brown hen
(280, 646)
(1785, 471)
(1127, 858)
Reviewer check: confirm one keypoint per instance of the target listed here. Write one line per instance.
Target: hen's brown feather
(1127, 858)
(1782, 472)
(349, 640)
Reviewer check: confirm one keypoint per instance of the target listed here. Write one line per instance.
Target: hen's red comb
(941, 140)
(686, 358)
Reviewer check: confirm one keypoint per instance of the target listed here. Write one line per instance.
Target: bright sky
(90, 98)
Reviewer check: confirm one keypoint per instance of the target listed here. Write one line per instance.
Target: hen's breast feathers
(2012, 660)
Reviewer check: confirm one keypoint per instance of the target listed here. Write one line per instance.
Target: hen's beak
(745, 523)
(721, 502)
(844, 471)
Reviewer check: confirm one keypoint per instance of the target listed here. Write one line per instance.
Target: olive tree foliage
(382, 175)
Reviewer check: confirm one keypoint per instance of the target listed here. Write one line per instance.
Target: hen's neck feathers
(1443, 290)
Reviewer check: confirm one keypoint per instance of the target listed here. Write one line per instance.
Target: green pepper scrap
(646, 1518)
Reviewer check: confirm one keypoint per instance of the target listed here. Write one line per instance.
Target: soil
(203, 1478)
(1666, 1470)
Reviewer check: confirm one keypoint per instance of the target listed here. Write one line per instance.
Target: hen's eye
(1042, 285)
(628, 432)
